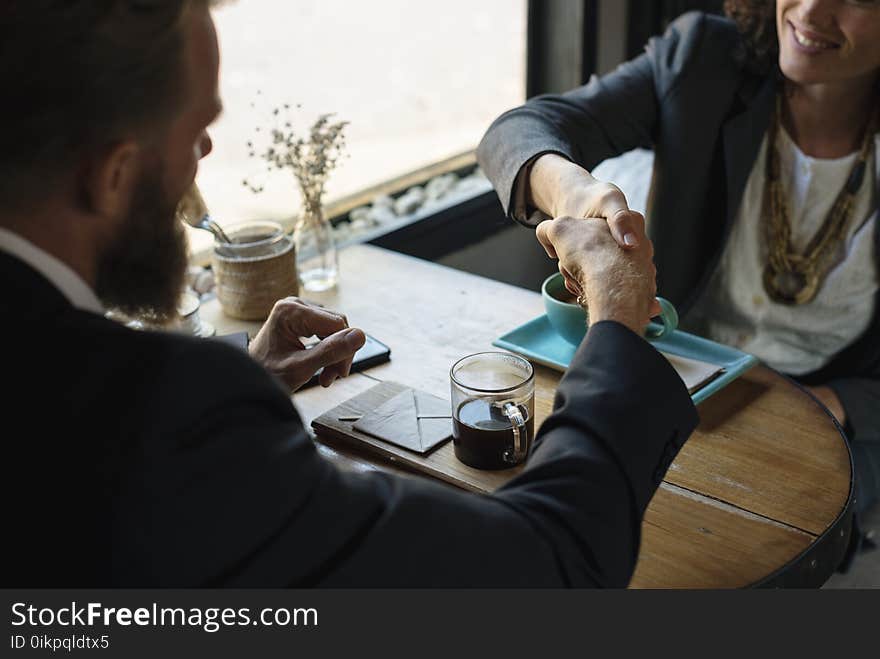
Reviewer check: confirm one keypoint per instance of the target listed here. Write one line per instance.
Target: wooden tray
(440, 463)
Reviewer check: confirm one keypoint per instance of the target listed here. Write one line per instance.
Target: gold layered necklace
(790, 277)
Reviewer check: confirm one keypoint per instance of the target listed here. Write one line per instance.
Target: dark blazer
(704, 114)
(152, 459)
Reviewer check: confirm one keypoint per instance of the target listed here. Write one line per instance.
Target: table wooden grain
(759, 495)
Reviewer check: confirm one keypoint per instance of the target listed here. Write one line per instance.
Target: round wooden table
(760, 495)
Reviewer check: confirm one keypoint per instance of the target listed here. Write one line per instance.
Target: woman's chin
(804, 73)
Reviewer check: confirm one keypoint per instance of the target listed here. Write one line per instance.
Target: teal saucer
(537, 341)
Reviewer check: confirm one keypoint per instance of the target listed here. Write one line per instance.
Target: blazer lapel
(877, 220)
(743, 134)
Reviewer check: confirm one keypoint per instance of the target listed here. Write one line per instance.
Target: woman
(763, 203)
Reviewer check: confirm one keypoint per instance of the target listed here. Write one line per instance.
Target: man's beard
(142, 272)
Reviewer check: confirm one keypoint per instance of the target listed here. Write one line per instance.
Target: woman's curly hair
(756, 20)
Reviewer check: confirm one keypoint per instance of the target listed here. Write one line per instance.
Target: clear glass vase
(316, 262)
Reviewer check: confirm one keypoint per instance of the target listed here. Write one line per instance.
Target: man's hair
(756, 20)
(79, 75)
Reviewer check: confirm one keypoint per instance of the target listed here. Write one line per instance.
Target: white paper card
(696, 374)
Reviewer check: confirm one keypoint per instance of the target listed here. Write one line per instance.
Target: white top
(62, 276)
(735, 308)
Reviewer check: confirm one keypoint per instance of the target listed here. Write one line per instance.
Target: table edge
(815, 565)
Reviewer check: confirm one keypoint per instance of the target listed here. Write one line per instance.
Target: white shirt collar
(61, 275)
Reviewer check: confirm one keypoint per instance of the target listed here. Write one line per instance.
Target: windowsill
(339, 209)
(419, 216)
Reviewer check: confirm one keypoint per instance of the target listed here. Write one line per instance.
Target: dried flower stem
(310, 159)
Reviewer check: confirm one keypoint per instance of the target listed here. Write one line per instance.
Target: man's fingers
(329, 375)
(318, 305)
(571, 284)
(335, 349)
(342, 369)
(322, 323)
(303, 319)
(542, 234)
(572, 288)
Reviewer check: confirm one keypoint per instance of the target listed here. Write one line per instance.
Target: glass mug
(493, 409)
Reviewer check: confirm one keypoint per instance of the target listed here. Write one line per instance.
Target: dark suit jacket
(689, 98)
(152, 459)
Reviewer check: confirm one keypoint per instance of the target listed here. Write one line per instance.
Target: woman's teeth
(811, 43)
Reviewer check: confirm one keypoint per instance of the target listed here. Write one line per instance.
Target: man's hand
(279, 348)
(617, 284)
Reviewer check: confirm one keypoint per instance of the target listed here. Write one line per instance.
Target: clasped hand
(618, 284)
(278, 346)
(604, 253)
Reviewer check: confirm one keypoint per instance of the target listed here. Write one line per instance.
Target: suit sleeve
(605, 118)
(238, 495)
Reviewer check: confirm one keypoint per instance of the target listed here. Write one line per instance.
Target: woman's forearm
(555, 185)
(561, 188)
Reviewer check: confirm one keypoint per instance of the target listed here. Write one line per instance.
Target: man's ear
(111, 178)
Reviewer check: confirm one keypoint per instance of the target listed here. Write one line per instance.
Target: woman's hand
(560, 188)
(279, 349)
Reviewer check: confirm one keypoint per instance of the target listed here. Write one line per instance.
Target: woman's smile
(809, 41)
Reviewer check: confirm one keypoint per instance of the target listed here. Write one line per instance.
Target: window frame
(566, 42)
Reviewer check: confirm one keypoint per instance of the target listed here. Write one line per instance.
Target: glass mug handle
(521, 437)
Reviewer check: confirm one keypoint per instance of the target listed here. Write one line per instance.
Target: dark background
(650, 17)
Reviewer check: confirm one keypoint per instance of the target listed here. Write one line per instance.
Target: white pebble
(438, 186)
(359, 213)
(417, 191)
(192, 273)
(383, 201)
(469, 185)
(359, 226)
(204, 282)
(381, 215)
(409, 203)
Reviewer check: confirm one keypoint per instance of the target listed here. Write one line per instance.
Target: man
(147, 459)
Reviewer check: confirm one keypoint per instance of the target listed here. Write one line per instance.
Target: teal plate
(539, 342)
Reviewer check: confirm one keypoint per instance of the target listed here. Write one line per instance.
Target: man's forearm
(620, 416)
(628, 394)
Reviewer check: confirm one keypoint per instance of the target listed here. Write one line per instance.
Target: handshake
(618, 283)
(604, 253)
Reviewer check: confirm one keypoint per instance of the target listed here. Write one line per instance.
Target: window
(418, 82)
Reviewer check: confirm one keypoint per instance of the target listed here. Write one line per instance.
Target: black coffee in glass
(483, 436)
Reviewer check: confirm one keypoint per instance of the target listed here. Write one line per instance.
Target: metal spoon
(210, 225)
(193, 211)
